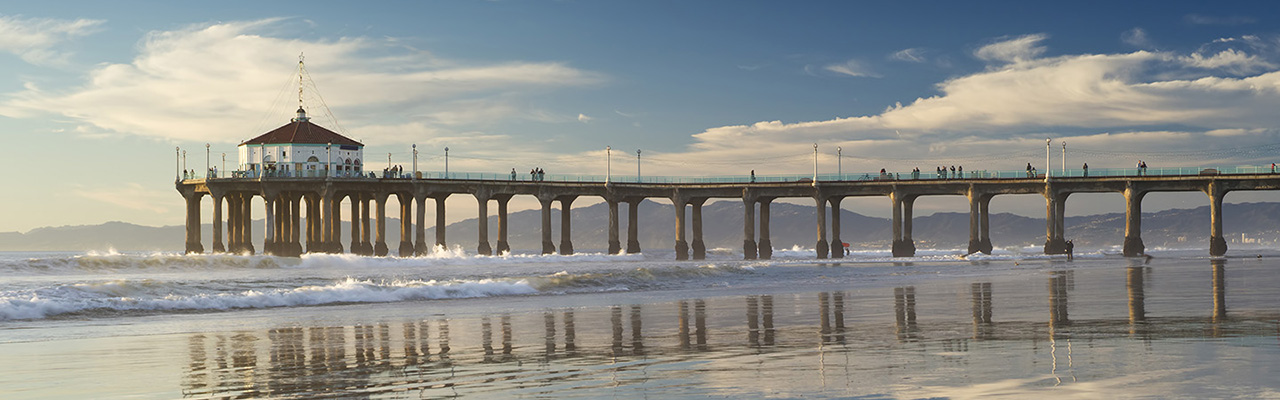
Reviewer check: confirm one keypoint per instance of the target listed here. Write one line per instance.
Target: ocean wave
(638, 278)
(148, 295)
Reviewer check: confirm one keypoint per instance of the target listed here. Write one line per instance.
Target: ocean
(1014, 324)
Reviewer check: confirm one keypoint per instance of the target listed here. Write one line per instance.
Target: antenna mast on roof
(300, 58)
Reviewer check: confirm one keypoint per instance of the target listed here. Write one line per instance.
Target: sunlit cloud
(1015, 49)
(852, 68)
(213, 82)
(35, 39)
(1137, 37)
(915, 55)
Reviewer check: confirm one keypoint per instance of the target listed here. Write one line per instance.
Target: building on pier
(301, 149)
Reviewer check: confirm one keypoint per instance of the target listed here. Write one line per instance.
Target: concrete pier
(765, 247)
(566, 241)
(233, 203)
(1133, 246)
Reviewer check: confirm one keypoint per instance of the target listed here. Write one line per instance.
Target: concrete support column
(246, 214)
(548, 247)
(1217, 243)
(440, 224)
(324, 226)
(366, 246)
(837, 245)
(407, 248)
(193, 244)
(1133, 246)
(749, 250)
(355, 223)
(380, 248)
(419, 236)
(903, 243)
(282, 225)
(633, 226)
(233, 220)
(566, 243)
(503, 245)
(821, 208)
(269, 226)
(975, 220)
(482, 201)
(984, 233)
(217, 225)
(335, 224)
(295, 229)
(699, 247)
(682, 246)
(766, 247)
(615, 245)
(1055, 243)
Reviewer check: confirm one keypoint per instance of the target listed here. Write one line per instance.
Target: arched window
(313, 159)
(268, 159)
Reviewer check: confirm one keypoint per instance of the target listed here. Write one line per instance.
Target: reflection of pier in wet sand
(567, 347)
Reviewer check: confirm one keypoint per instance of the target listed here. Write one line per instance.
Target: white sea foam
(146, 295)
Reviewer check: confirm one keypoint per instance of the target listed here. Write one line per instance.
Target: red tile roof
(302, 132)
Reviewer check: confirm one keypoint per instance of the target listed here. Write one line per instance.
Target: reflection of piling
(1219, 290)
(506, 335)
(570, 333)
(443, 328)
(753, 323)
(831, 318)
(981, 292)
(637, 335)
(767, 319)
(700, 322)
(549, 337)
(486, 338)
(684, 324)
(1137, 299)
(904, 307)
(616, 319)
(1058, 286)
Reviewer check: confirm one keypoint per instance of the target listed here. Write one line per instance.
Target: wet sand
(1111, 328)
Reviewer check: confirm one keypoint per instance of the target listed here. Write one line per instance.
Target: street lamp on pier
(815, 164)
(177, 164)
(206, 160)
(608, 162)
(328, 160)
(224, 162)
(839, 164)
(637, 165)
(184, 160)
(446, 163)
(1064, 158)
(1048, 167)
(415, 161)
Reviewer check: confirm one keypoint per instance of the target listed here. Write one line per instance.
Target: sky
(96, 96)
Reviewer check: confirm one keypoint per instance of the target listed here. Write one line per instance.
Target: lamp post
(815, 164)
(184, 160)
(608, 163)
(177, 164)
(388, 161)
(1064, 158)
(224, 162)
(839, 164)
(415, 161)
(1048, 148)
(206, 160)
(637, 165)
(328, 160)
(446, 163)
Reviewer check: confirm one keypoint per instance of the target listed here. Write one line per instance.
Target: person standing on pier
(1086, 170)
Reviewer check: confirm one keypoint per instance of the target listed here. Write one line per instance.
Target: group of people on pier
(944, 173)
(393, 172)
(536, 173)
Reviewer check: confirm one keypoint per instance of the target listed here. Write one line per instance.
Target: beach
(1013, 324)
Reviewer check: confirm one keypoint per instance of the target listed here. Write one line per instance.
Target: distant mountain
(791, 225)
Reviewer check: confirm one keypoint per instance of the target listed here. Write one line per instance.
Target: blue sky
(95, 96)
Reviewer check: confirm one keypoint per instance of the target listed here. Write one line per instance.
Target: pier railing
(859, 176)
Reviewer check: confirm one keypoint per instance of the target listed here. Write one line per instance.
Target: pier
(318, 195)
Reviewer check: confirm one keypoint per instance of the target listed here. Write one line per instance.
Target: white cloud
(1229, 60)
(213, 82)
(915, 55)
(1137, 37)
(1016, 49)
(1199, 19)
(852, 68)
(583, 118)
(34, 39)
